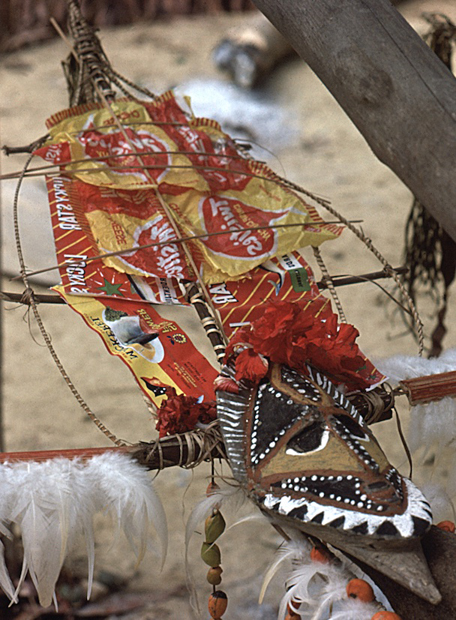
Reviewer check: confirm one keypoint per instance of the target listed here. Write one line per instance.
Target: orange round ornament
(218, 602)
(447, 526)
(320, 554)
(361, 590)
(385, 615)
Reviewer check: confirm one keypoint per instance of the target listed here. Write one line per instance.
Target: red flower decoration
(288, 334)
(272, 333)
(250, 366)
(225, 384)
(180, 413)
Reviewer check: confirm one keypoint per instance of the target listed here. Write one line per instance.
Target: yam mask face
(305, 455)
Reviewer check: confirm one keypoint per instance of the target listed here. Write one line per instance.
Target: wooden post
(396, 91)
(440, 550)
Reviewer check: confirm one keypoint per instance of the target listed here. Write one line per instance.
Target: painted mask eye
(312, 438)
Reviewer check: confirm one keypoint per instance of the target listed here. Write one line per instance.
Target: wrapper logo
(220, 213)
(118, 151)
(163, 261)
(55, 153)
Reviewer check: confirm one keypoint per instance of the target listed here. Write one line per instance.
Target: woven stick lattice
(91, 77)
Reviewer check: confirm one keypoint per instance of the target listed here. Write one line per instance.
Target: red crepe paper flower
(180, 413)
(226, 384)
(288, 334)
(251, 366)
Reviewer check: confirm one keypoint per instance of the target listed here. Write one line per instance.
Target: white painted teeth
(413, 522)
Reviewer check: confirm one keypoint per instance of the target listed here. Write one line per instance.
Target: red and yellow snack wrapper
(137, 177)
(76, 247)
(160, 354)
(114, 303)
(136, 166)
(158, 351)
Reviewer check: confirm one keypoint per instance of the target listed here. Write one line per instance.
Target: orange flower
(447, 526)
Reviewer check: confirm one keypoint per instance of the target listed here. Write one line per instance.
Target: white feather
(5, 581)
(82, 516)
(351, 609)
(440, 501)
(402, 367)
(316, 590)
(6, 493)
(432, 428)
(433, 424)
(332, 592)
(123, 488)
(54, 501)
(303, 583)
(293, 550)
(41, 509)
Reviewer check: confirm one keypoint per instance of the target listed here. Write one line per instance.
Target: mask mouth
(412, 522)
(346, 491)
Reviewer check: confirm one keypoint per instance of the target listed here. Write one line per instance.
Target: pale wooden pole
(400, 96)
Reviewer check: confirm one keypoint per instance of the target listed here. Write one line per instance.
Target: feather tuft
(400, 367)
(433, 425)
(123, 489)
(440, 501)
(316, 590)
(54, 501)
(432, 428)
(353, 610)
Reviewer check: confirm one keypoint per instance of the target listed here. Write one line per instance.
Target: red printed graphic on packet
(148, 344)
(117, 152)
(242, 301)
(219, 213)
(75, 247)
(213, 153)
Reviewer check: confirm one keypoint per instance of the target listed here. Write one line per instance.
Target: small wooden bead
(385, 615)
(292, 616)
(214, 575)
(218, 602)
(447, 526)
(361, 590)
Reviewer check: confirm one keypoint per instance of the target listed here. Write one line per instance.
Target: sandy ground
(322, 150)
